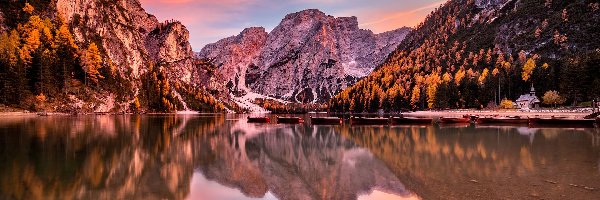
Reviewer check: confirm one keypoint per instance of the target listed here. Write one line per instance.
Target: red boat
(410, 121)
(325, 120)
(258, 120)
(289, 120)
(455, 120)
(562, 122)
(368, 121)
(502, 120)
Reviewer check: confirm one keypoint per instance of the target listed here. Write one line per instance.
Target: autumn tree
(28, 8)
(91, 63)
(415, 97)
(528, 69)
(506, 104)
(66, 54)
(11, 75)
(553, 98)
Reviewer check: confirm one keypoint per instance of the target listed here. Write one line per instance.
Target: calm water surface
(223, 157)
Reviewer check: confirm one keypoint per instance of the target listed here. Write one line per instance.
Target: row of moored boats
(466, 119)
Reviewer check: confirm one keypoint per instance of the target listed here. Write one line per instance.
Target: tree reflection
(121, 157)
(444, 162)
(156, 157)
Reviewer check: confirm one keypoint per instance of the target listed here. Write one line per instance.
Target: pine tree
(528, 69)
(28, 8)
(66, 55)
(92, 62)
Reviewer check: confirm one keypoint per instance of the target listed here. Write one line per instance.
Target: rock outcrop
(168, 44)
(122, 27)
(234, 54)
(308, 57)
(132, 39)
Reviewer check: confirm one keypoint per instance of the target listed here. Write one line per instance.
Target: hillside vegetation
(43, 68)
(474, 53)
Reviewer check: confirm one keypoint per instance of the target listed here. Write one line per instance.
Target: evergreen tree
(92, 62)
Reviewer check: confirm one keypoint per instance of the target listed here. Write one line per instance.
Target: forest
(278, 107)
(44, 68)
(460, 58)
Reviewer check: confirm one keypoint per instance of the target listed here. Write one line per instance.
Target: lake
(223, 157)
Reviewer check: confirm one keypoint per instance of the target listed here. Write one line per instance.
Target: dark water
(223, 157)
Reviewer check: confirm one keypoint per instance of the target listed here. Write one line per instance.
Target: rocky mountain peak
(489, 3)
(308, 57)
(253, 31)
(308, 13)
(349, 23)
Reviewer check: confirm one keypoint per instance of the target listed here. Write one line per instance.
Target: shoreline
(46, 114)
(459, 113)
(447, 113)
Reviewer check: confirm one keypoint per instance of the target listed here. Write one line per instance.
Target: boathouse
(528, 101)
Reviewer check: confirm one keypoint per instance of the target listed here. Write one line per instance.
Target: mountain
(119, 58)
(308, 57)
(473, 53)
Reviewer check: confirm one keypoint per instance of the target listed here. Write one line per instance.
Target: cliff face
(308, 57)
(120, 26)
(234, 54)
(132, 48)
(130, 36)
(168, 44)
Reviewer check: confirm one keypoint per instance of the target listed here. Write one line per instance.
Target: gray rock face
(132, 38)
(234, 54)
(489, 3)
(308, 57)
(168, 45)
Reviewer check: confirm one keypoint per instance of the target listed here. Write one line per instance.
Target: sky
(211, 20)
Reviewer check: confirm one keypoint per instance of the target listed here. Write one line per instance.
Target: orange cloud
(392, 20)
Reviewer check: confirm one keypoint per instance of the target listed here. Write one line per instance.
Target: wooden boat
(471, 117)
(562, 122)
(289, 120)
(258, 120)
(368, 121)
(410, 121)
(455, 120)
(325, 120)
(502, 120)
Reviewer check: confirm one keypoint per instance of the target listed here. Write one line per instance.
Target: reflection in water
(482, 162)
(164, 157)
(209, 157)
(297, 162)
(121, 157)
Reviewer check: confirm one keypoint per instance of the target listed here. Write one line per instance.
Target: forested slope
(472, 53)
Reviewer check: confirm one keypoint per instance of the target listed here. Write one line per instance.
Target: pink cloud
(210, 20)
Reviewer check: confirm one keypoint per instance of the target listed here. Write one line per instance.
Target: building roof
(528, 98)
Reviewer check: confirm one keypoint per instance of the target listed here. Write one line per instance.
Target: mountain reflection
(156, 157)
(100, 157)
(298, 162)
(162, 157)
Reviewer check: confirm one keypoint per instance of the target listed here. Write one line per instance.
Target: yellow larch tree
(416, 96)
(28, 8)
(483, 76)
(92, 62)
(9, 47)
(432, 81)
(458, 77)
(528, 69)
